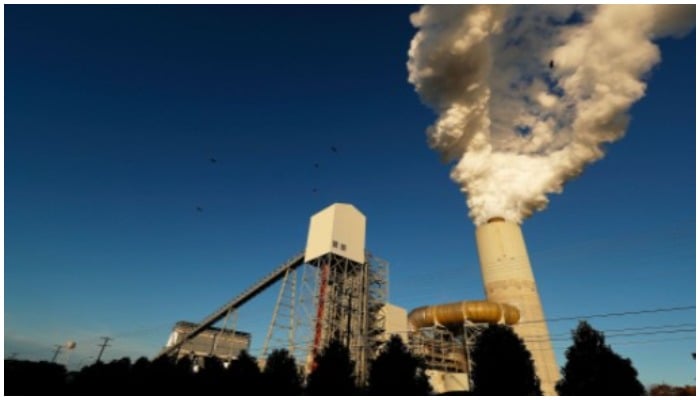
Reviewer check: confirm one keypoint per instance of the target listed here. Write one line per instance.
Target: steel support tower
(339, 296)
(350, 296)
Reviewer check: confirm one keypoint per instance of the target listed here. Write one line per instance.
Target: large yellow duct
(456, 314)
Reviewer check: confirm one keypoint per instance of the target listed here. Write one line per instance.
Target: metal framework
(229, 313)
(235, 303)
(334, 298)
(285, 301)
(440, 349)
(349, 298)
(469, 334)
(447, 349)
(305, 315)
(292, 324)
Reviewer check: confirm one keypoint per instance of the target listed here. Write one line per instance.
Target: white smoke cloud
(527, 95)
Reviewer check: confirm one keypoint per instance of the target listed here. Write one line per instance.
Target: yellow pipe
(455, 314)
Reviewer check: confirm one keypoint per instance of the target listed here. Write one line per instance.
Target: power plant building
(395, 322)
(342, 296)
(224, 344)
(333, 290)
(444, 334)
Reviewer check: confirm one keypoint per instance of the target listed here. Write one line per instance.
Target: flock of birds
(213, 160)
(332, 148)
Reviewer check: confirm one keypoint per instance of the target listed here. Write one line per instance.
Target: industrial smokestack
(508, 278)
(527, 96)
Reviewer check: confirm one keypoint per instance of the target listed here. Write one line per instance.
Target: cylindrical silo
(508, 278)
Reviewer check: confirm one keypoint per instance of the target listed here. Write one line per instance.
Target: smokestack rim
(495, 219)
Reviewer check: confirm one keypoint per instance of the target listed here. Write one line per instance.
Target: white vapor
(526, 95)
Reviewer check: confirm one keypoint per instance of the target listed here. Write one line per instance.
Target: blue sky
(112, 114)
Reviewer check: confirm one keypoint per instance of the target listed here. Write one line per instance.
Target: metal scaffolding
(291, 325)
(330, 297)
(447, 349)
(349, 298)
(440, 348)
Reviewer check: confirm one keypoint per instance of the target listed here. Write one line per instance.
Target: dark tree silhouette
(34, 378)
(244, 375)
(112, 378)
(593, 369)
(397, 372)
(281, 376)
(503, 365)
(139, 382)
(180, 374)
(334, 373)
(209, 380)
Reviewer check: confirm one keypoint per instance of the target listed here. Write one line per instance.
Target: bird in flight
(333, 149)
(200, 209)
(212, 160)
(316, 165)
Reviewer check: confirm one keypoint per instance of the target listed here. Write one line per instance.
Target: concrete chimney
(508, 278)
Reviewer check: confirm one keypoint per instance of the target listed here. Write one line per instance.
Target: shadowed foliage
(396, 371)
(281, 376)
(111, 378)
(593, 369)
(334, 372)
(503, 365)
(210, 381)
(34, 378)
(244, 375)
(139, 381)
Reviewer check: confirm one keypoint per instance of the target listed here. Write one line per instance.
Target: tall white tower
(337, 229)
(508, 278)
(351, 286)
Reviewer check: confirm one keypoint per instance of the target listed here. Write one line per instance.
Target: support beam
(236, 302)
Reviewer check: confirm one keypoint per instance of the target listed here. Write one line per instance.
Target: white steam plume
(527, 95)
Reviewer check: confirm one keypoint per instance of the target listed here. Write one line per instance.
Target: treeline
(394, 371)
(502, 366)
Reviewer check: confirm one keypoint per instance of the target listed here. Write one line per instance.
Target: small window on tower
(342, 246)
(335, 244)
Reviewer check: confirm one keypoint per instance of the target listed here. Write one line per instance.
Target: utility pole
(58, 350)
(102, 346)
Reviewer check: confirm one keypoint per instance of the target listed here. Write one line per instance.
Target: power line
(623, 334)
(613, 314)
(641, 328)
(652, 332)
(607, 331)
(641, 341)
